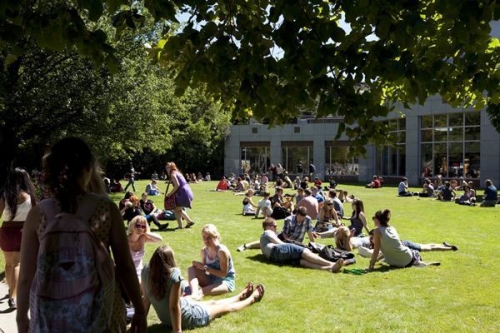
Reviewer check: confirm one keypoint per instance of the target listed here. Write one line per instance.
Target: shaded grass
(458, 296)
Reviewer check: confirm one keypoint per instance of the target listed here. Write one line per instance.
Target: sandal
(190, 224)
(249, 290)
(261, 290)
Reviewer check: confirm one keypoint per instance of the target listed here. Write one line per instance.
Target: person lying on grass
(387, 241)
(280, 252)
(161, 280)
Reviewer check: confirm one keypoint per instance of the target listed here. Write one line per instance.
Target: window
(254, 157)
(296, 154)
(450, 144)
(337, 159)
(391, 159)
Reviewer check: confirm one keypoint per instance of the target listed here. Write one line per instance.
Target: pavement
(7, 316)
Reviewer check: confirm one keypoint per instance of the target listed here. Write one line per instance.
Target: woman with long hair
(69, 169)
(18, 196)
(358, 218)
(387, 241)
(215, 273)
(162, 283)
(183, 194)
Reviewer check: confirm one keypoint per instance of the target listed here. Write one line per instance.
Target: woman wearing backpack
(70, 169)
(15, 203)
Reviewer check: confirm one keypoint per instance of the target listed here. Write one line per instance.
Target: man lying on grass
(280, 252)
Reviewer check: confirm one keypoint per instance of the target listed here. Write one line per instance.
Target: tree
(269, 57)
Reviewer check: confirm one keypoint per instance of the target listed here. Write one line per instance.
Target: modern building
(431, 139)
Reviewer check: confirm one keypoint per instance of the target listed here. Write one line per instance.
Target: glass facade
(295, 154)
(391, 159)
(450, 145)
(254, 157)
(337, 160)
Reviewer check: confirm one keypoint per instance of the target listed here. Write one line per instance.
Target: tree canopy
(268, 58)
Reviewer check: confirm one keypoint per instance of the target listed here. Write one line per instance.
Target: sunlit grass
(458, 296)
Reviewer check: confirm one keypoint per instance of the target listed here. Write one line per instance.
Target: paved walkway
(7, 316)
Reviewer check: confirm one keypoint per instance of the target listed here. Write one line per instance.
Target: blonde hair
(343, 238)
(211, 230)
(138, 218)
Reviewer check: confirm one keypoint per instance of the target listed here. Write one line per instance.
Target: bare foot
(337, 266)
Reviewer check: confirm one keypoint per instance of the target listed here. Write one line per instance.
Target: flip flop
(453, 247)
(190, 224)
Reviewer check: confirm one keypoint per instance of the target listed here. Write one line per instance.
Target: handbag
(169, 201)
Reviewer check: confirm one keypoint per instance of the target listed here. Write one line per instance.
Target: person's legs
(235, 303)
(187, 218)
(12, 271)
(437, 247)
(156, 222)
(315, 261)
(215, 289)
(253, 245)
(197, 279)
(178, 216)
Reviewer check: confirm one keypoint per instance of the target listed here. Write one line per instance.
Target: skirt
(11, 235)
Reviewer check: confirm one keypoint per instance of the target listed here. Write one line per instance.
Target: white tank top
(21, 213)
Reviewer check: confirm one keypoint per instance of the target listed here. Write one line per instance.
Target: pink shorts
(10, 236)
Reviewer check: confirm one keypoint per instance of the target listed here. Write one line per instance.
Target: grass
(457, 296)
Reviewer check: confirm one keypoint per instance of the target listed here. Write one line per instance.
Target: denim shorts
(286, 254)
(411, 245)
(228, 281)
(195, 315)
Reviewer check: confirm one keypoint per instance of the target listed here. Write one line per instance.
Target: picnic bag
(169, 202)
(74, 285)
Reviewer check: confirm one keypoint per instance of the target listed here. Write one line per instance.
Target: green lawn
(458, 296)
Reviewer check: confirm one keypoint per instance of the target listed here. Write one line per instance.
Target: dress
(137, 257)
(193, 314)
(184, 195)
(214, 263)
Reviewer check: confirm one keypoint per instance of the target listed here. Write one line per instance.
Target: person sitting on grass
(387, 241)
(467, 198)
(248, 204)
(214, 274)
(152, 188)
(427, 189)
(403, 188)
(375, 183)
(490, 194)
(162, 283)
(344, 240)
(448, 193)
(280, 252)
(358, 218)
(264, 206)
(138, 235)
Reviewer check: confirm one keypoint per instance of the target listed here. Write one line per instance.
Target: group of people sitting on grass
(448, 192)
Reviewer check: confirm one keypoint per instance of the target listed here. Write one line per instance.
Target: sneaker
(163, 227)
(349, 261)
(241, 248)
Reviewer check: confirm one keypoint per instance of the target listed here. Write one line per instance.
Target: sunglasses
(140, 226)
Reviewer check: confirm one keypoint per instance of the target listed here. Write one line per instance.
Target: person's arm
(152, 237)
(147, 303)
(224, 256)
(335, 216)
(175, 183)
(310, 233)
(362, 217)
(376, 249)
(174, 307)
(28, 267)
(250, 201)
(125, 269)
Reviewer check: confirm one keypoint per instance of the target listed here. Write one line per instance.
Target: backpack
(329, 253)
(74, 285)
